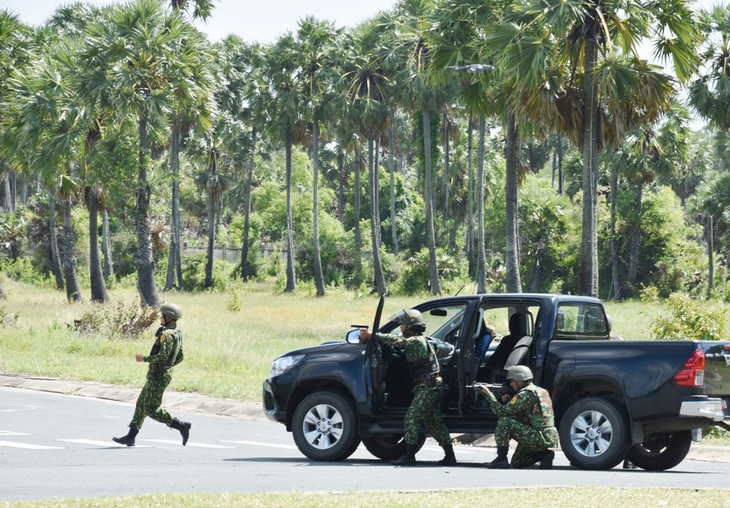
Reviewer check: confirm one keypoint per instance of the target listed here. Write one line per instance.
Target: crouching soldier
(527, 418)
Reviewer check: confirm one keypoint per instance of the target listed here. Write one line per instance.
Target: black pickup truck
(613, 399)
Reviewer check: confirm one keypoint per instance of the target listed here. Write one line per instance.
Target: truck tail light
(693, 371)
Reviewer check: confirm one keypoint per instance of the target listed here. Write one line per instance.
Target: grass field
(503, 498)
(230, 337)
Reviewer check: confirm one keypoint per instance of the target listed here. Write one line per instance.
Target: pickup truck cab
(613, 399)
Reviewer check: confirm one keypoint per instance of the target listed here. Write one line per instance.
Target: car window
(581, 320)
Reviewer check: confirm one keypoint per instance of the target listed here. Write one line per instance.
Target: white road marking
(190, 444)
(12, 444)
(268, 445)
(11, 433)
(97, 443)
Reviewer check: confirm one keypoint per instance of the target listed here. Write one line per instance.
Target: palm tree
(578, 64)
(317, 40)
(423, 95)
(282, 76)
(15, 54)
(709, 94)
(456, 37)
(137, 50)
(367, 81)
(246, 98)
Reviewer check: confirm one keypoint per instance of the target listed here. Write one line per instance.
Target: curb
(251, 411)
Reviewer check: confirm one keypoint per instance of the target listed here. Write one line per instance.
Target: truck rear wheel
(662, 450)
(325, 427)
(389, 446)
(594, 434)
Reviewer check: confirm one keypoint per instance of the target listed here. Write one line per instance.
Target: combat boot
(449, 457)
(129, 438)
(546, 461)
(183, 427)
(501, 461)
(408, 458)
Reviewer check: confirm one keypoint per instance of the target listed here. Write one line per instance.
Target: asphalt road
(57, 446)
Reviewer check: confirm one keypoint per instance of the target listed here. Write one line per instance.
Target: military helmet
(412, 318)
(171, 311)
(519, 373)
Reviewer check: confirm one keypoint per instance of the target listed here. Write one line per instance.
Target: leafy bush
(7, 318)
(686, 318)
(126, 321)
(416, 276)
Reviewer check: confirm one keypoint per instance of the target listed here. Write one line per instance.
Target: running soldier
(424, 370)
(166, 352)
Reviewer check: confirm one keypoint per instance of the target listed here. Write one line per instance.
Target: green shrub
(686, 318)
(127, 321)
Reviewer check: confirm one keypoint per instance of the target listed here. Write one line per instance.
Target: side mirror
(353, 336)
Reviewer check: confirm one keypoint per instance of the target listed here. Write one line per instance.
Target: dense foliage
(406, 154)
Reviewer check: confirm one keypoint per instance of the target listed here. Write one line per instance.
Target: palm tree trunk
(246, 269)
(173, 257)
(341, 171)
(512, 261)
(560, 165)
(67, 254)
(374, 220)
(98, 285)
(470, 248)
(635, 242)
(55, 262)
(291, 283)
(393, 227)
(357, 205)
(318, 276)
(106, 248)
(481, 247)
(430, 233)
(710, 254)
(588, 272)
(213, 167)
(447, 169)
(143, 258)
(615, 282)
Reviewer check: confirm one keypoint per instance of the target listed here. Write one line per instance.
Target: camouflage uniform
(528, 419)
(158, 376)
(426, 406)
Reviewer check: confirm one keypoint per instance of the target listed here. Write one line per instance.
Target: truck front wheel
(594, 434)
(662, 450)
(325, 427)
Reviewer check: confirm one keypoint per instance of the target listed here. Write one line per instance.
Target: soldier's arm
(519, 404)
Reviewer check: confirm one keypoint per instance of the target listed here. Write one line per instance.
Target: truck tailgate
(717, 369)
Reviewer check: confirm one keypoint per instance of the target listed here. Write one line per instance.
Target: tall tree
(138, 48)
(580, 60)
(368, 92)
(317, 41)
(283, 78)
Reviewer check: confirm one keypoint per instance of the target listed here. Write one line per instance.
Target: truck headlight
(284, 362)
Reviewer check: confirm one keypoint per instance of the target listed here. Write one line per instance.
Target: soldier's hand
(365, 334)
(139, 358)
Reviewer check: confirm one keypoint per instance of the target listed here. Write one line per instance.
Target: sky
(260, 20)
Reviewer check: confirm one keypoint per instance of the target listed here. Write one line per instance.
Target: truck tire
(389, 446)
(662, 450)
(325, 427)
(594, 434)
